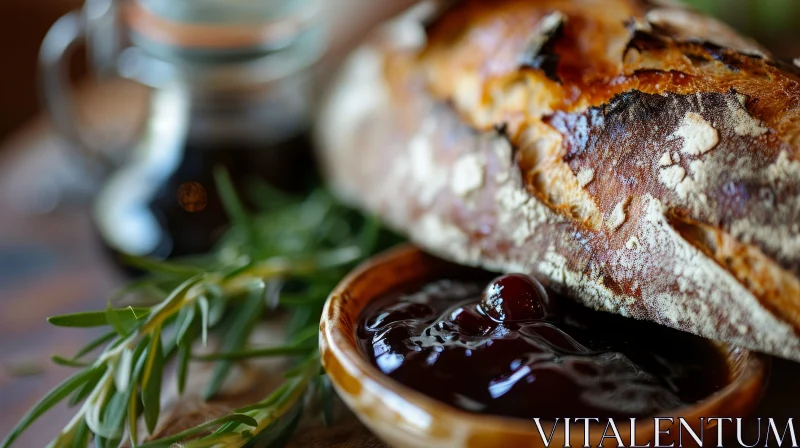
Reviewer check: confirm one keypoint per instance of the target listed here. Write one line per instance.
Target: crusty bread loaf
(637, 156)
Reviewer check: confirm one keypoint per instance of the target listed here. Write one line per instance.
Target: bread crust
(640, 158)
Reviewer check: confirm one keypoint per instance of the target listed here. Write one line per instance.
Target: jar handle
(58, 45)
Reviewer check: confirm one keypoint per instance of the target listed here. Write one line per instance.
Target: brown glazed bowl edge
(406, 418)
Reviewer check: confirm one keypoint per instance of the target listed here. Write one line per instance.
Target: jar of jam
(232, 87)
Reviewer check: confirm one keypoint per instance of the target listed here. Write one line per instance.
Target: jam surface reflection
(510, 348)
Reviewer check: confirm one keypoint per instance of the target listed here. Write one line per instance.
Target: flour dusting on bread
(697, 134)
(645, 164)
(617, 216)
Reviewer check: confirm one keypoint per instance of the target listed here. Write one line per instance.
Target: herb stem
(302, 245)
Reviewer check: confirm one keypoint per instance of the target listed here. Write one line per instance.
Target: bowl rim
(336, 345)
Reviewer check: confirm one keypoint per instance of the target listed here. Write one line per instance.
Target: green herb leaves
(166, 442)
(282, 261)
(151, 380)
(51, 399)
(239, 327)
(98, 318)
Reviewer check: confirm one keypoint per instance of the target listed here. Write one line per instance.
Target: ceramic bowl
(405, 418)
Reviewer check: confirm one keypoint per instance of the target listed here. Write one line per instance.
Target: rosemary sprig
(288, 256)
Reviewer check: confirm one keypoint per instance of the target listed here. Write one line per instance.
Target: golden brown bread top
(641, 166)
(602, 48)
(640, 96)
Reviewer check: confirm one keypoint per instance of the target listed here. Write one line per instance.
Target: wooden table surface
(51, 263)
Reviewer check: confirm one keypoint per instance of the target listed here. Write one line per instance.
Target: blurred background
(23, 24)
(772, 22)
(53, 208)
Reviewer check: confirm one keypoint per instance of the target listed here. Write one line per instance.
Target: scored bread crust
(636, 156)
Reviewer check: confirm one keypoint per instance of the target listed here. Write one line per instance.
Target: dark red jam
(511, 348)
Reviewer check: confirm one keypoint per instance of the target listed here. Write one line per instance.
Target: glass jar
(232, 87)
